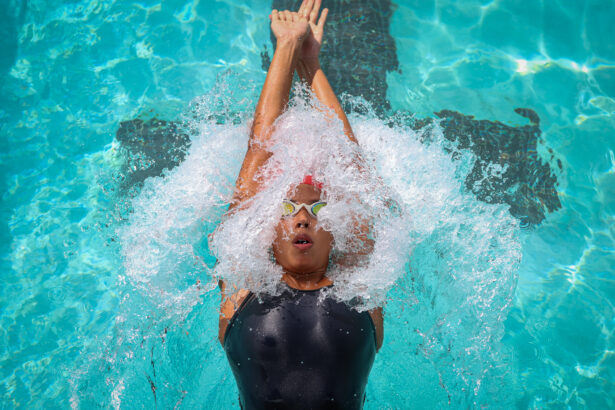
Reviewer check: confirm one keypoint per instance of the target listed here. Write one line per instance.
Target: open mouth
(302, 241)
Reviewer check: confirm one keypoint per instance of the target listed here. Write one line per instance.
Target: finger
(314, 12)
(302, 9)
(323, 18)
(308, 8)
(287, 16)
(275, 14)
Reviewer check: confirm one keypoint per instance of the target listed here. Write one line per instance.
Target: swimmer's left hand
(310, 49)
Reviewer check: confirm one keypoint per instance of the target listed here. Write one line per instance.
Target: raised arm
(309, 70)
(308, 65)
(290, 29)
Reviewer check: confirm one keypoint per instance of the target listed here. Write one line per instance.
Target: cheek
(281, 234)
(325, 238)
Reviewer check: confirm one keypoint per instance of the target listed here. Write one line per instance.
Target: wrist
(292, 43)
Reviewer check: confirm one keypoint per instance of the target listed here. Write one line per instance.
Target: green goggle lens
(287, 208)
(290, 208)
(317, 207)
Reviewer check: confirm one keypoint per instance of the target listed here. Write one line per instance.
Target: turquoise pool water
(79, 328)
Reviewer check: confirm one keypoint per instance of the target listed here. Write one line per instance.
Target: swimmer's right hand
(289, 26)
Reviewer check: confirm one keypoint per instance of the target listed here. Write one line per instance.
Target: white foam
(419, 179)
(460, 254)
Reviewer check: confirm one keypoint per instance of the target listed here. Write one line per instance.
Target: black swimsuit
(293, 351)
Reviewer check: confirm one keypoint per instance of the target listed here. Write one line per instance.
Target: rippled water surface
(124, 125)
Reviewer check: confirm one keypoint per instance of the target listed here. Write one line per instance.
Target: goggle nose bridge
(297, 207)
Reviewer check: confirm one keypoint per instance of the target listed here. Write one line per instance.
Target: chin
(301, 266)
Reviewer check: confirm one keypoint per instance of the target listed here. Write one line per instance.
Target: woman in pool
(294, 351)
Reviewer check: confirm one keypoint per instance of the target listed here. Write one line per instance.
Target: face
(292, 232)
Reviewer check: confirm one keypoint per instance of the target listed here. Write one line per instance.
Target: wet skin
(300, 246)
(299, 37)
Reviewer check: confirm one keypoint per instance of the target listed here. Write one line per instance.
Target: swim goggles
(290, 208)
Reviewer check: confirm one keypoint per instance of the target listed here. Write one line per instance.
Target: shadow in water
(357, 58)
(526, 182)
(507, 167)
(149, 147)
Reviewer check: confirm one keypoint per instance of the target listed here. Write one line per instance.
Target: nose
(302, 219)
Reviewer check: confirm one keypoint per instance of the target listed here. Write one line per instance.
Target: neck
(306, 281)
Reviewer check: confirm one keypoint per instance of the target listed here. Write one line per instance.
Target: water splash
(438, 250)
(353, 192)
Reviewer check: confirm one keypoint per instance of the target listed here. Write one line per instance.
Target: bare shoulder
(231, 300)
(378, 319)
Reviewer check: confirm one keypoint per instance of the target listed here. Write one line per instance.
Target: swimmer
(294, 350)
